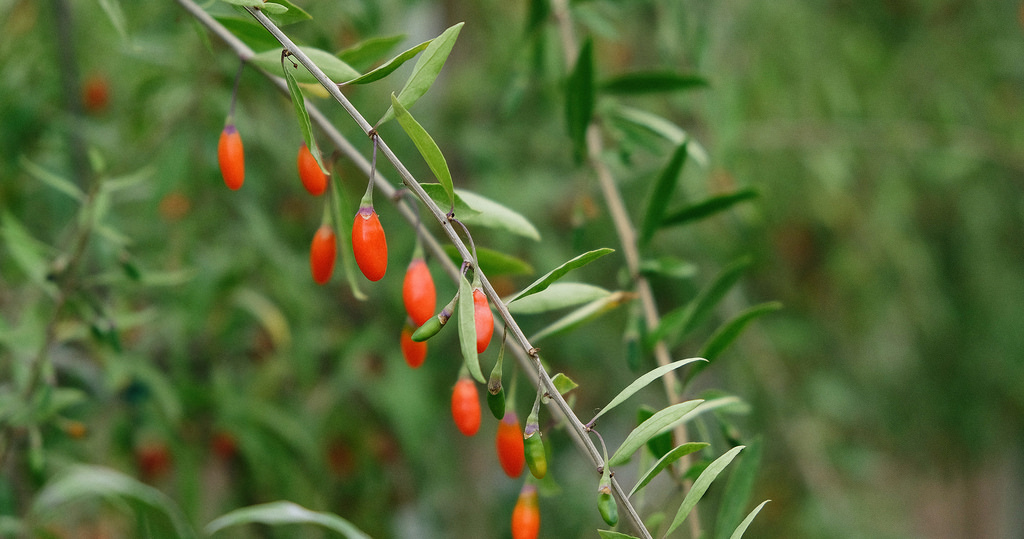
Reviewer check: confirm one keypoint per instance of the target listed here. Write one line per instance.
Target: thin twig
(526, 355)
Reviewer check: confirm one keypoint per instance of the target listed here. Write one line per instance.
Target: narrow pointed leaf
(53, 180)
(363, 54)
(584, 314)
(427, 148)
(700, 486)
(664, 462)
(426, 69)
(493, 263)
(274, 9)
(493, 215)
(439, 195)
(291, 14)
(742, 528)
(342, 209)
(579, 100)
(331, 65)
(739, 488)
(647, 82)
(668, 266)
(608, 534)
(96, 482)
(277, 513)
(558, 296)
(560, 271)
(642, 382)
(707, 208)
(728, 332)
(389, 67)
(299, 103)
(563, 383)
(681, 321)
(637, 121)
(662, 193)
(662, 421)
(467, 330)
(116, 16)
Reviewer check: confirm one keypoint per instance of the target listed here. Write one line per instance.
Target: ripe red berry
(484, 320)
(526, 515)
(418, 292)
(312, 177)
(466, 406)
(322, 254)
(369, 245)
(413, 352)
(509, 442)
(231, 156)
(153, 460)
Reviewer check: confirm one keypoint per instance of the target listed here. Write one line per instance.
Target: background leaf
(665, 461)
(362, 55)
(646, 82)
(700, 486)
(558, 296)
(739, 488)
(493, 263)
(664, 420)
(335, 69)
(579, 100)
(681, 321)
(707, 208)
(661, 194)
(390, 66)
(550, 277)
(277, 513)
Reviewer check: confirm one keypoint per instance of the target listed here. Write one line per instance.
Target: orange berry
(231, 157)
(369, 245)
(418, 292)
(466, 406)
(413, 352)
(509, 443)
(314, 179)
(484, 320)
(526, 515)
(322, 254)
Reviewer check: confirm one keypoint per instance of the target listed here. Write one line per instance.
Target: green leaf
(666, 419)
(390, 66)
(58, 183)
(343, 224)
(92, 482)
(660, 445)
(276, 513)
(739, 488)
(681, 321)
(301, 114)
(642, 382)
(742, 528)
(363, 54)
(728, 332)
(426, 69)
(427, 148)
(113, 10)
(439, 195)
(250, 32)
(467, 329)
(493, 263)
(665, 461)
(579, 100)
(647, 82)
(707, 208)
(661, 194)
(558, 296)
(668, 266)
(559, 272)
(637, 121)
(493, 215)
(584, 314)
(290, 15)
(270, 8)
(700, 486)
(331, 65)
(27, 252)
(608, 534)
(563, 383)
(246, 3)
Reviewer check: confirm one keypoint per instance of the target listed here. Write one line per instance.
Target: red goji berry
(369, 245)
(484, 320)
(231, 156)
(509, 441)
(466, 406)
(322, 254)
(413, 352)
(418, 292)
(526, 515)
(314, 179)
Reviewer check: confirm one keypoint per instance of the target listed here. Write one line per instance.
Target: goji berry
(466, 406)
(369, 245)
(526, 514)
(418, 292)
(231, 156)
(314, 179)
(413, 352)
(509, 442)
(484, 320)
(322, 254)
(153, 459)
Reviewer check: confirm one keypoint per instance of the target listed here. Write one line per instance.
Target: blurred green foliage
(885, 140)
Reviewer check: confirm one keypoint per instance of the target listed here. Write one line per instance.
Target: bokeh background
(885, 139)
